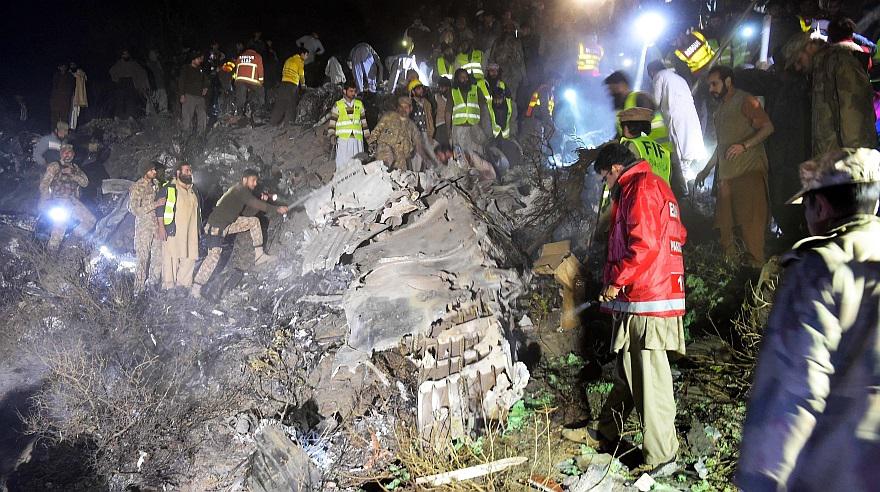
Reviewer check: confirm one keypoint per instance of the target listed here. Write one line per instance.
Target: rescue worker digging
(59, 190)
(142, 203)
(644, 291)
(226, 219)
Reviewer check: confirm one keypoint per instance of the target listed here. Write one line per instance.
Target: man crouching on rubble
(226, 219)
(813, 420)
(59, 196)
(644, 279)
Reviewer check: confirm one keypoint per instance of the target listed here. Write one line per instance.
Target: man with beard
(466, 131)
(741, 126)
(179, 221)
(60, 189)
(142, 203)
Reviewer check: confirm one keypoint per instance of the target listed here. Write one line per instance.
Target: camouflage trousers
(78, 213)
(148, 249)
(215, 244)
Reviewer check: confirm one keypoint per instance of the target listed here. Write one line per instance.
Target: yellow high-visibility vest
(659, 132)
(465, 112)
(496, 128)
(473, 63)
(443, 69)
(348, 125)
(589, 58)
(698, 54)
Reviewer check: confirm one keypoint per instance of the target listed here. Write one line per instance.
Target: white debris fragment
(644, 483)
(526, 322)
(196, 314)
(217, 312)
(702, 469)
(402, 389)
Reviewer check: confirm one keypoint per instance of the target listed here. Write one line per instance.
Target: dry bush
(110, 388)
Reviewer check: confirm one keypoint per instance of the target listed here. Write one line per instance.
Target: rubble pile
(435, 280)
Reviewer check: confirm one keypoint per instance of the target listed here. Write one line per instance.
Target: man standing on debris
(226, 219)
(158, 100)
(812, 420)
(142, 203)
(131, 83)
(395, 138)
(443, 118)
(421, 113)
(59, 196)
(62, 94)
(742, 202)
(347, 126)
(366, 66)
(192, 85)
(644, 290)
(178, 222)
(466, 131)
(248, 80)
(48, 147)
(293, 82)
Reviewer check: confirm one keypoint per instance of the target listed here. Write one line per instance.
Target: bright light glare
(570, 95)
(59, 214)
(650, 26)
(627, 62)
(747, 32)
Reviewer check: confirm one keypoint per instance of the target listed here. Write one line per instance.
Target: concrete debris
(597, 478)
(644, 483)
(279, 464)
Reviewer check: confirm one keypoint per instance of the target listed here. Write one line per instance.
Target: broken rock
(280, 465)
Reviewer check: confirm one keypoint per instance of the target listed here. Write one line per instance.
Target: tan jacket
(813, 421)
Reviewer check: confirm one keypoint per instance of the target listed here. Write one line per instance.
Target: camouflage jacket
(813, 421)
(141, 201)
(395, 139)
(56, 183)
(843, 107)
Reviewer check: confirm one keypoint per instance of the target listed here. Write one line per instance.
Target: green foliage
(401, 476)
(601, 387)
(569, 467)
(516, 417)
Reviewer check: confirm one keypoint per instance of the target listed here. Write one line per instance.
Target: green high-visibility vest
(659, 132)
(465, 112)
(496, 128)
(349, 125)
(484, 88)
(443, 69)
(473, 63)
(170, 202)
(651, 151)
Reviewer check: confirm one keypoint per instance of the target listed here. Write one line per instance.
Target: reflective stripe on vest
(698, 54)
(170, 202)
(649, 150)
(536, 101)
(465, 112)
(484, 88)
(634, 307)
(253, 67)
(349, 125)
(443, 69)
(473, 63)
(589, 58)
(496, 129)
(659, 132)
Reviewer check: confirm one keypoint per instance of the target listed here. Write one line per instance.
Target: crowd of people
(794, 124)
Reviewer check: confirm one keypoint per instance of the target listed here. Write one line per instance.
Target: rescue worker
(293, 83)
(248, 81)
(695, 51)
(178, 220)
(644, 291)
(537, 126)
(366, 66)
(674, 100)
(443, 118)
(470, 60)
(59, 190)
(492, 81)
(226, 219)
(636, 125)
(192, 85)
(507, 52)
(395, 140)
(842, 97)
(131, 83)
(589, 56)
(422, 115)
(742, 203)
(624, 98)
(445, 65)
(48, 147)
(501, 115)
(465, 95)
(347, 126)
(812, 418)
(142, 203)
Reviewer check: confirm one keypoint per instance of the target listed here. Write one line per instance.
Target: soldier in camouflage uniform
(142, 203)
(813, 422)
(507, 52)
(60, 187)
(396, 138)
(843, 107)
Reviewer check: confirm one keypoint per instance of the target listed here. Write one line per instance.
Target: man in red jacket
(248, 80)
(644, 291)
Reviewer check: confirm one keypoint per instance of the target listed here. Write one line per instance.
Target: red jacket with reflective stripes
(249, 67)
(645, 246)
